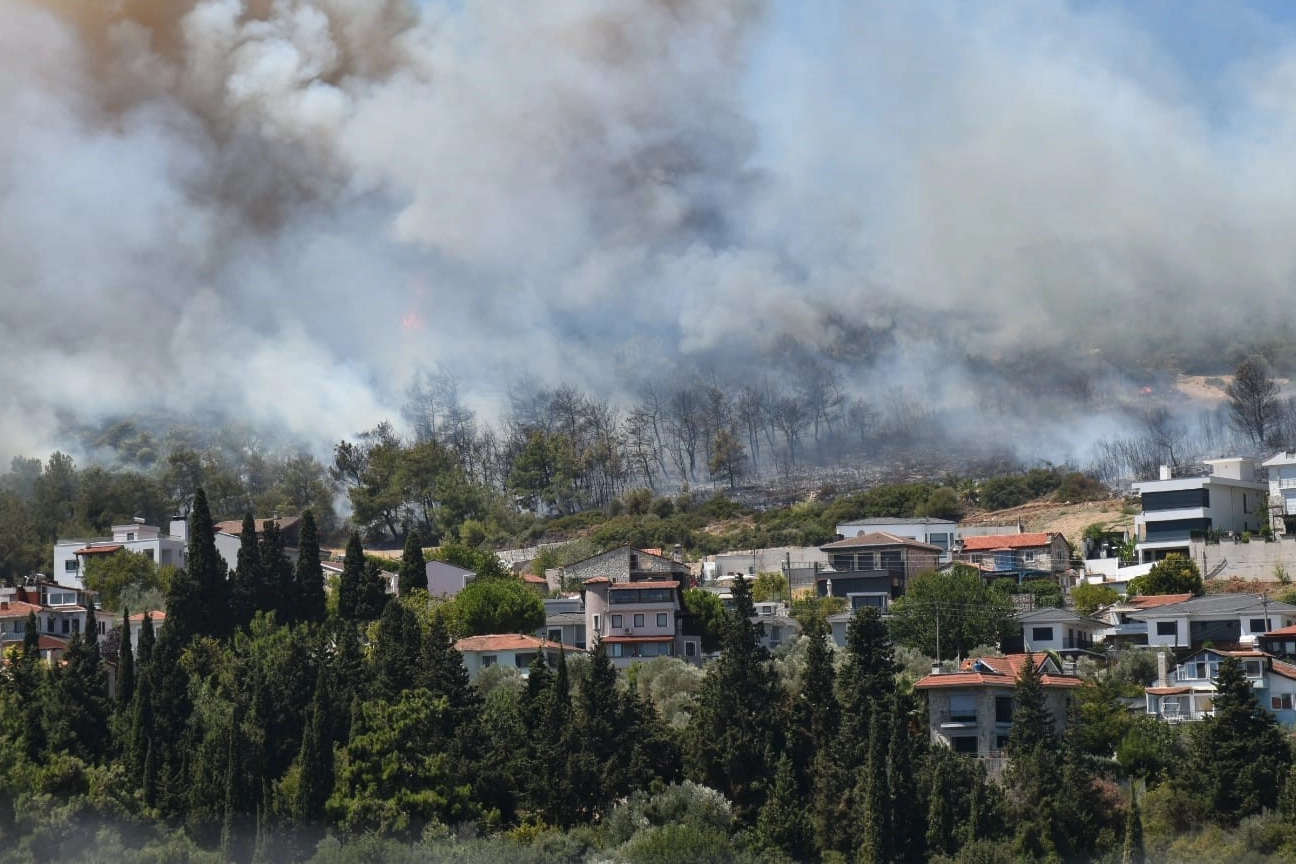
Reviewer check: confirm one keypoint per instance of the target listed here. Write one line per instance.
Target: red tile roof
(509, 642)
(880, 538)
(17, 609)
(99, 550)
(597, 580)
(235, 526)
(1008, 541)
(51, 643)
(1167, 691)
(1005, 673)
(1286, 670)
(157, 616)
(1154, 600)
(532, 579)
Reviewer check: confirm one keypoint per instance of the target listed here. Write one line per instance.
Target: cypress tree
(734, 730)
(783, 825)
(82, 709)
(413, 567)
(866, 680)
(246, 583)
(941, 814)
(353, 575)
(310, 603)
(315, 762)
(277, 573)
(141, 733)
(397, 652)
(208, 572)
(815, 711)
(1032, 722)
(125, 665)
(373, 593)
(1132, 852)
(445, 675)
(147, 639)
(871, 797)
(907, 833)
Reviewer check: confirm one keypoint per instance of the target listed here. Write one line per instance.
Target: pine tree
(206, 568)
(353, 570)
(245, 586)
(413, 567)
(310, 602)
(598, 732)
(125, 665)
(444, 674)
(1238, 758)
(815, 711)
(867, 678)
(186, 616)
(1032, 722)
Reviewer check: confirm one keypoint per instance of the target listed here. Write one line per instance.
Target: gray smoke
(280, 209)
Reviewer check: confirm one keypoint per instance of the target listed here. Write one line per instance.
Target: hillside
(1070, 519)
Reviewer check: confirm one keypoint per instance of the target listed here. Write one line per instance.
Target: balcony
(958, 718)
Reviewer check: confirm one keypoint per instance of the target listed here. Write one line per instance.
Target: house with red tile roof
(971, 710)
(1033, 555)
(72, 555)
(509, 650)
(640, 620)
(1187, 694)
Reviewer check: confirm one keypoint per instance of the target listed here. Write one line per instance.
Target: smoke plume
(280, 208)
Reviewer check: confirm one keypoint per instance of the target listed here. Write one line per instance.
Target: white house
(447, 580)
(941, 533)
(1062, 630)
(71, 555)
(1282, 491)
(1188, 694)
(512, 650)
(1221, 619)
(1175, 509)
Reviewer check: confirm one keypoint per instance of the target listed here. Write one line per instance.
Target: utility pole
(938, 653)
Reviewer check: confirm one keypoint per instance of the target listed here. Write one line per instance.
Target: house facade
(971, 710)
(229, 537)
(1061, 630)
(639, 620)
(509, 650)
(71, 555)
(1221, 619)
(447, 580)
(941, 533)
(1034, 555)
(1122, 629)
(1177, 509)
(777, 626)
(1188, 694)
(873, 569)
(625, 563)
(1282, 492)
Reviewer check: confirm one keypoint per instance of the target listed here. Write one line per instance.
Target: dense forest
(264, 721)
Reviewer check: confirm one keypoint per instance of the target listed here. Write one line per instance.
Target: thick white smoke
(281, 207)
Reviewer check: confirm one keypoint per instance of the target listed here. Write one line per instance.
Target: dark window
(1180, 499)
(690, 648)
(1258, 625)
(1176, 529)
(639, 620)
(1003, 709)
(1001, 742)
(555, 635)
(663, 619)
(616, 622)
(964, 744)
(1167, 628)
(1041, 634)
(70, 565)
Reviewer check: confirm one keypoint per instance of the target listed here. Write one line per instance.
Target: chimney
(936, 667)
(179, 528)
(1165, 472)
(1161, 670)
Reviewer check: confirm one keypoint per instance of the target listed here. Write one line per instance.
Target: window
(488, 660)
(618, 649)
(1028, 557)
(49, 625)
(776, 635)
(1167, 628)
(616, 622)
(1258, 625)
(690, 649)
(964, 744)
(130, 537)
(1041, 634)
(555, 634)
(1003, 709)
(596, 624)
(1281, 703)
(148, 553)
(20, 626)
(663, 619)
(962, 708)
(67, 626)
(639, 619)
(70, 565)
(1252, 668)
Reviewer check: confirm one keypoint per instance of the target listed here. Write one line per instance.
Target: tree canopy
(954, 607)
(505, 605)
(1175, 574)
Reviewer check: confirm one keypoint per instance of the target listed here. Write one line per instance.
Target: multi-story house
(971, 710)
(873, 569)
(1188, 694)
(1178, 509)
(1221, 619)
(777, 626)
(639, 620)
(624, 564)
(1064, 631)
(1034, 555)
(1282, 492)
(229, 536)
(941, 533)
(509, 650)
(71, 555)
(1122, 630)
